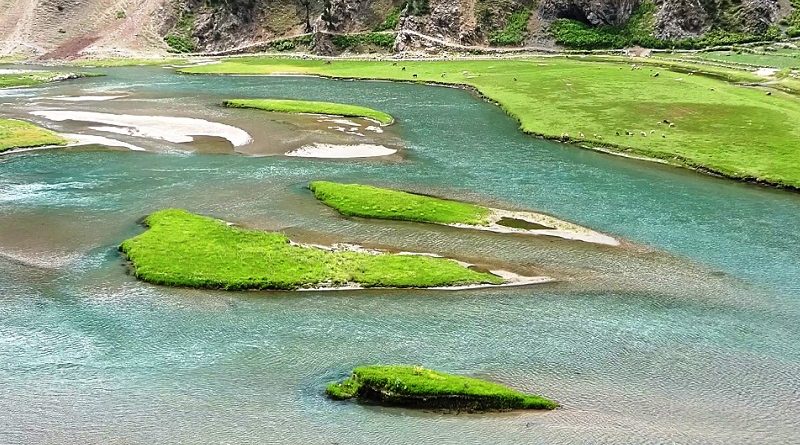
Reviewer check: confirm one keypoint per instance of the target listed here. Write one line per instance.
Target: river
(689, 333)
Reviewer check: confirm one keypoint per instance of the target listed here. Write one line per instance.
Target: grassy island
(19, 134)
(417, 387)
(305, 106)
(26, 78)
(690, 115)
(367, 201)
(183, 249)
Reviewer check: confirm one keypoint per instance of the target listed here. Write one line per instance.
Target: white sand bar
(334, 151)
(556, 227)
(84, 98)
(168, 128)
(90, 139)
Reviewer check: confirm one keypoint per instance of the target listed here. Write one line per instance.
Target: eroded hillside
(68, 28)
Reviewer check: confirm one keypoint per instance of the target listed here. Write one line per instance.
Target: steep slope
(66, 28)
(62, 28)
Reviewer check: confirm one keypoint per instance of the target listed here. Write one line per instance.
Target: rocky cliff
(62, 28)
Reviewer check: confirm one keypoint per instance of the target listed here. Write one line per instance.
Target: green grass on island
(417, 387)
(19, 134)
(663, 112)
(373, 202)
(25, 78)
(183, 249)
(305, 106)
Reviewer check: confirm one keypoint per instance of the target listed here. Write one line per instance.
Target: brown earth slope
(60, 29)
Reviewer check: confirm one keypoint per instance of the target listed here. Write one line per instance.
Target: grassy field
(655, 111)
(20, 134)
(182, 249)
(775, 59)
(372, 202)
(305, 106)
(418, 387)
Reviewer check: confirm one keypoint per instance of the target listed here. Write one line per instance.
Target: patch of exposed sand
(77, 140)
(168, 128)
(335, 151)
(552, 227)
(89, 139)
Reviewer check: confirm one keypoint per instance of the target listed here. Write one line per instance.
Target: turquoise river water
(688, 333)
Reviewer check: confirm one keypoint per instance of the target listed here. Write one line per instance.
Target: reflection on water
(687, 333)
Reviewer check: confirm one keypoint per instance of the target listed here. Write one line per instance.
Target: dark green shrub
(390, 22)
(179, 44)
(514, 32)
(351, 41)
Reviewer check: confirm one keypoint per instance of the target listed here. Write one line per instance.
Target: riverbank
(666, 111)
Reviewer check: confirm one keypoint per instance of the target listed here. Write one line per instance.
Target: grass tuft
(417, 387)
(305, 106)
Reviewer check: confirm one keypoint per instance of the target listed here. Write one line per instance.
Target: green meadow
(669, 111)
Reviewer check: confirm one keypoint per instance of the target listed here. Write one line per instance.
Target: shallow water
(688, 333)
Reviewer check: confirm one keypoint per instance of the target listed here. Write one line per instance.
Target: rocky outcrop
(758, 15)
(678, 19)
(444, 21)
(591, 12)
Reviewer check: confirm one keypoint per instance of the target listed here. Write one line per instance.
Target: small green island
(311, 107)
(20, 134)
(30, 78)
(417, 387)
(366, 201)
(188, 250)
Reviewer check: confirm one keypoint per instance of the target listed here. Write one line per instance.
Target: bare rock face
(758, 15)
(446, 20)
(344, 15)
(591, 12)
(679, 19)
